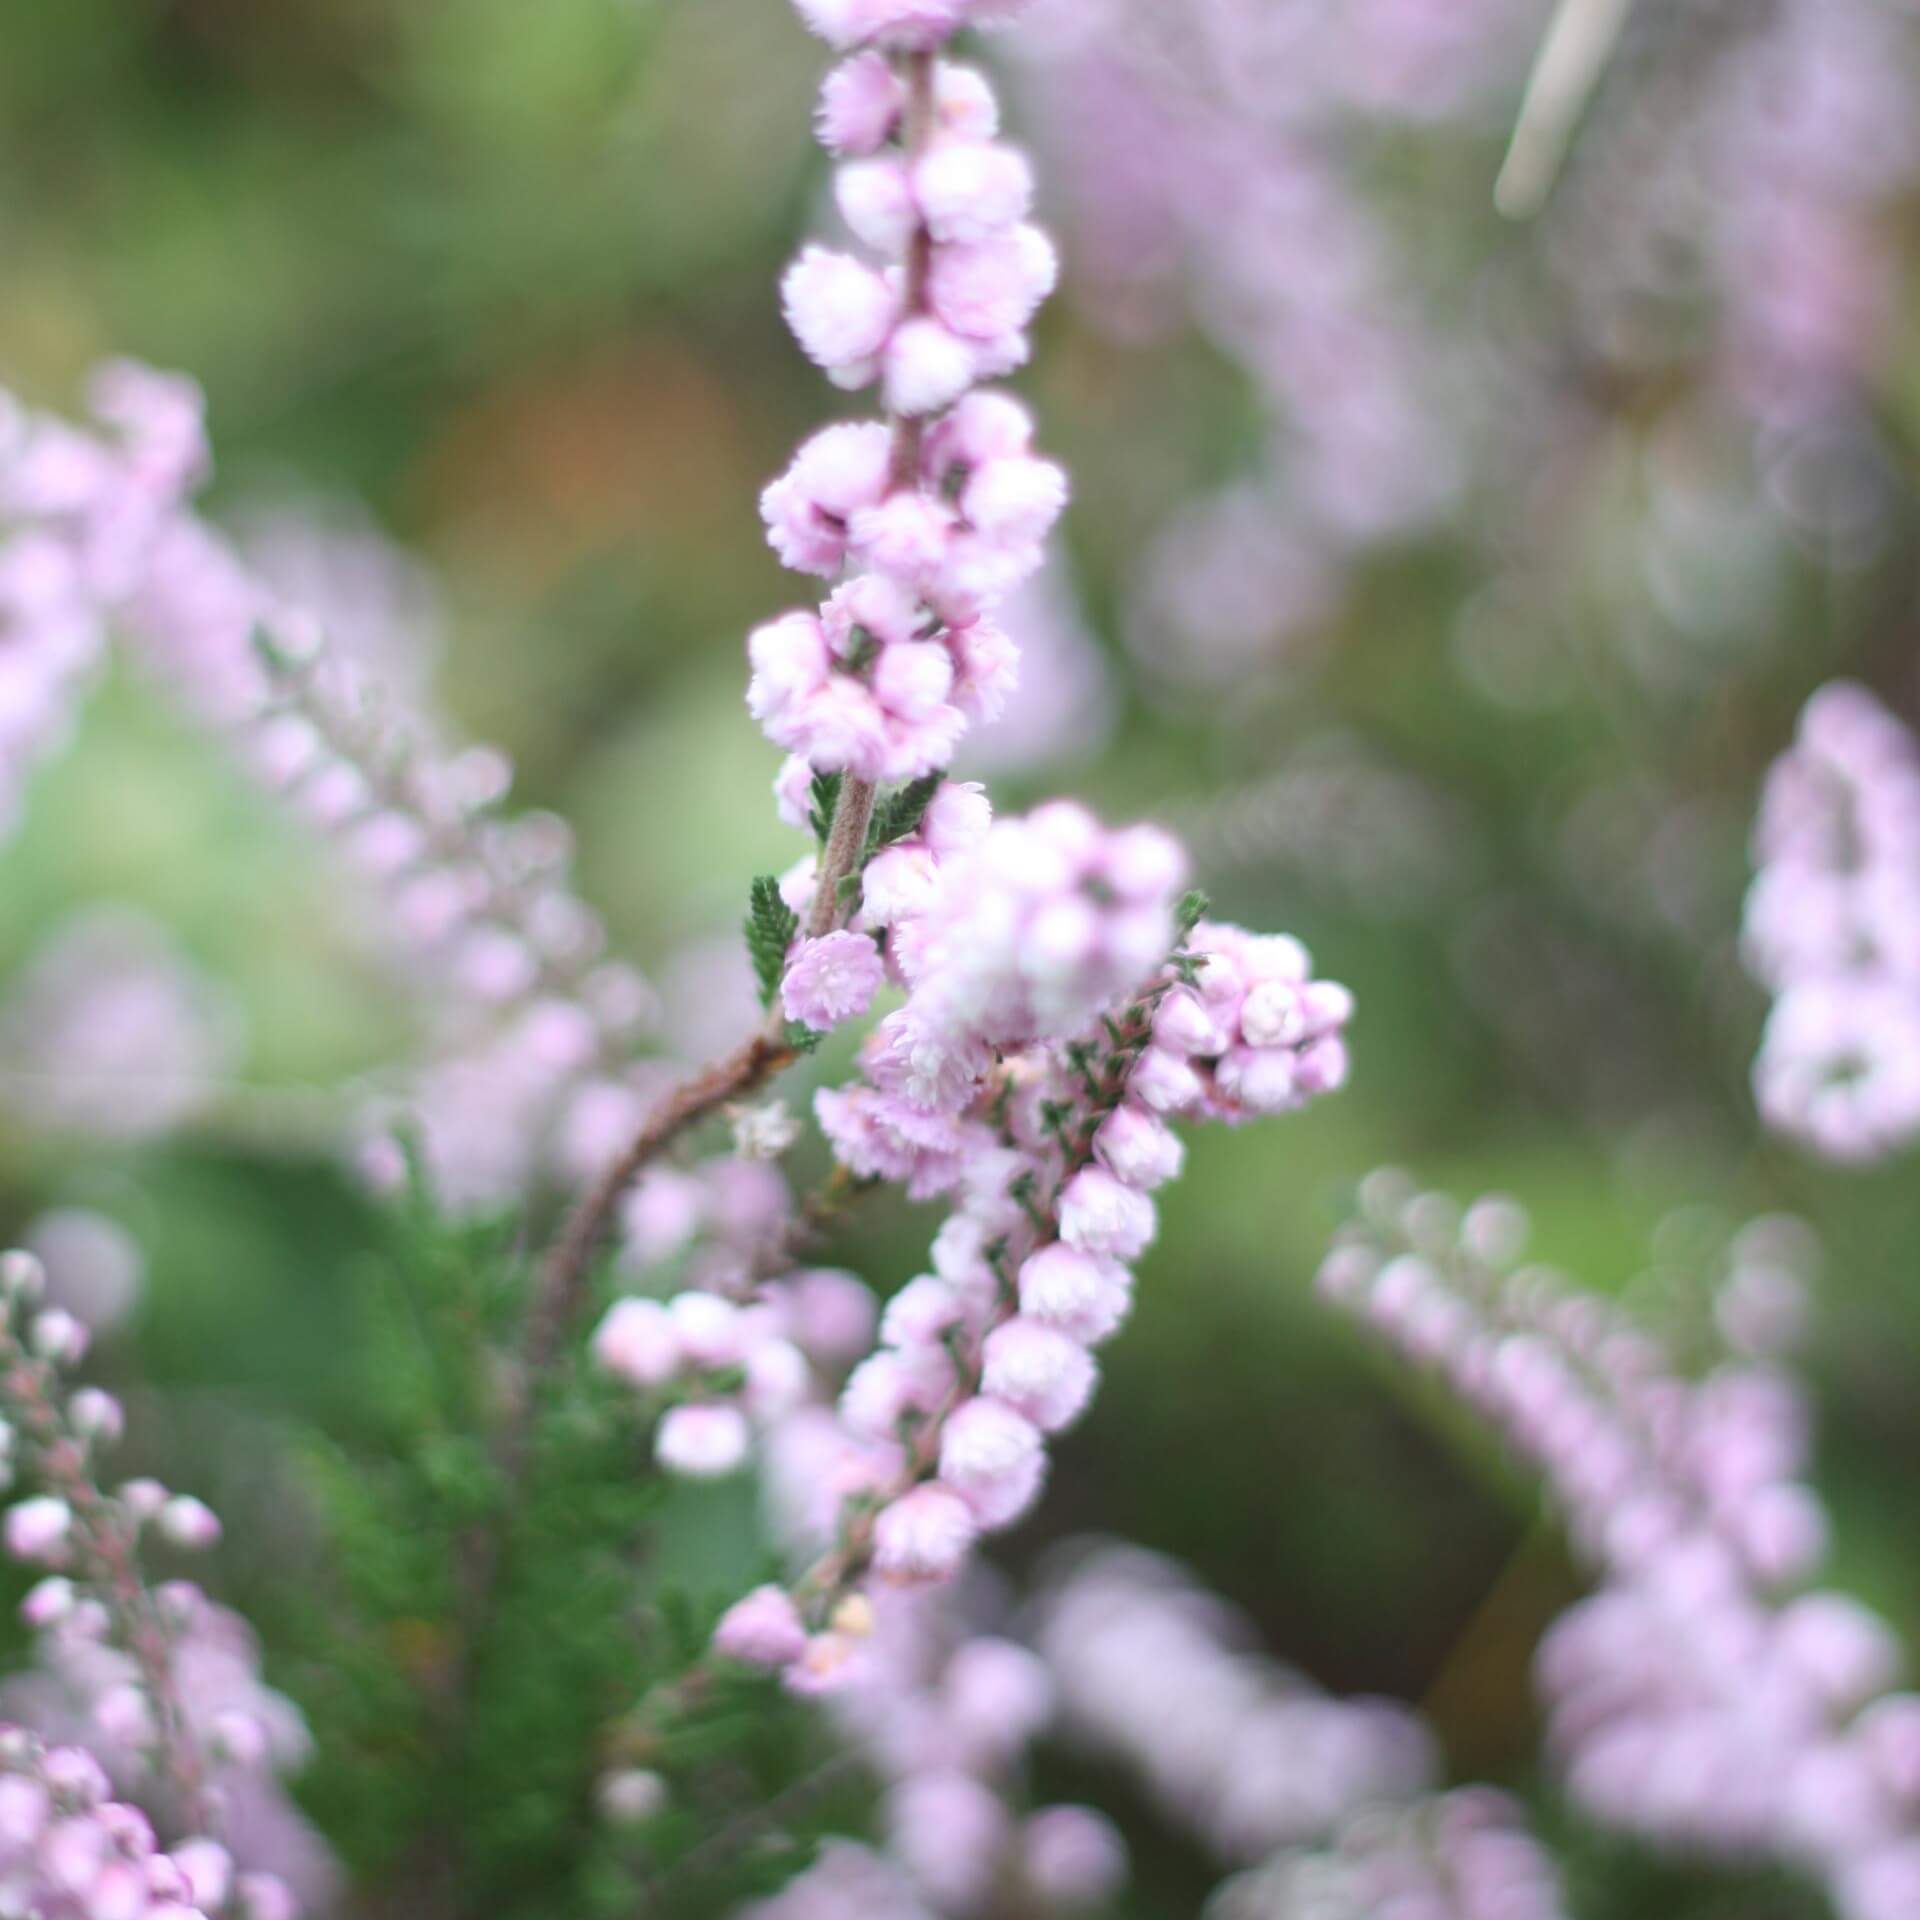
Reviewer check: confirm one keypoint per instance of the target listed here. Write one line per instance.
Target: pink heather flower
(1015, 500)
(861, 102)
(49, 1602)
(998, 1695)
(831, 979)
(793, 793)
(777, 1379)
(188, 1523)
(909, 25)
(957, 818)
(762, 1630)
(841, 312)
(927, 367)
(873, 614)
(59, 1336)
(37, 1529)
(1032, 936)
(832, 1663)
(992, 1456)
(897, 884)
(913, 681)
(972, 190)
(1059, 1284)
(662, 1214)
(922, 1313)
(1848, 1653)
(906, 537)
(712, 1331)
(926, 1065)
(1039, 1370)
(964, 106)
(703, 1440)
(1098, 1214)
(1087, 1297)
(987, 667)
(96, 1415)
(924, 1535)
(1137, 1148)
(830, 1313)
(840, 727)
(985, 426)
(987, 289)
(1165, 1083)
(637, 1343)
(889, 1387)
(835, 475)
(1889, 1729)
(881, 1136)
(1260, 1080)
(1001, 1503)
(950, 1831)
(876, 202)
(1072, 1858)
(790, 662)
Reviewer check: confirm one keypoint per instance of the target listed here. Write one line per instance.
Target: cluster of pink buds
(941, 512)
(122, 1036)
(1252, 1033)
(1833, 929)
(946, 1717)
(77, 514)
(99, 532)
(1158, 1673)
(1638, 1455)
(721, 1369)
(1062, 1001)
(1703, 1697)
(167, 1686)
(715, 1226)
(1037, 1094)
(1465, 1855)
(749, 1338)
(70, 1851)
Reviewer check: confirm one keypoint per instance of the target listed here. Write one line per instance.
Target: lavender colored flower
(831, 980)
(1833, 930)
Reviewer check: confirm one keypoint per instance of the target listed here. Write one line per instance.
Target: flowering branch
(74, 1522)
(560, 1292)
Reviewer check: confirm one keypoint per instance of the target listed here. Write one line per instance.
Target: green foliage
(825, 798)
(375, 1648)
(460, 1741)
(899, 813)
(566, 1654)
(771, 925)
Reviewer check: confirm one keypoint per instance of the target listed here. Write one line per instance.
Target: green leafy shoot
(900, 812)
(770, 927)
(825, 799)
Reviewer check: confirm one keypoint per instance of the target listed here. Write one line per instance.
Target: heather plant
(685, 1473)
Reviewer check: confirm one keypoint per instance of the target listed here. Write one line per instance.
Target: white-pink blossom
(923, 1535)
(831, 980)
